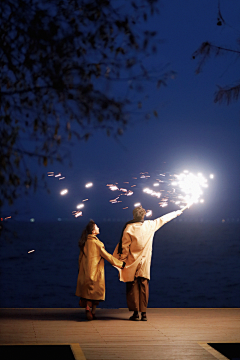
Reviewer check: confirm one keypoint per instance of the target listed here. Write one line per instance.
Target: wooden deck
(169, 334)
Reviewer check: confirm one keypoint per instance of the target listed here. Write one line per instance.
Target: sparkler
(190, 186)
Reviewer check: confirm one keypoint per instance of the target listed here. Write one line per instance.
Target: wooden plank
(168, 334)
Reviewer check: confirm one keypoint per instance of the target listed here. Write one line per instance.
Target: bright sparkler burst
(190, 186)
(180, 189)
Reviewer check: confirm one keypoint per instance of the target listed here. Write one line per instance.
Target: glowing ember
(123, 190)
(114, 201)
(88, 185)
(149, 213)
(80, 206)
(137, 204)
(64, 192)
(58, 175)
(152, 193)
(113, 187)
(164, 204)
(77, 213)
(84, 200)
(30, 251)
(211, 176)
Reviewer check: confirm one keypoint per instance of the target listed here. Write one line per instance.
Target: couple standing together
(132, 257)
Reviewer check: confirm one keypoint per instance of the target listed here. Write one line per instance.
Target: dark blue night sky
(190, 132)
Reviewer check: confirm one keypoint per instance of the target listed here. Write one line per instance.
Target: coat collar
(92, 237)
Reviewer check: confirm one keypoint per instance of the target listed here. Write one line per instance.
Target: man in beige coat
(135, 248)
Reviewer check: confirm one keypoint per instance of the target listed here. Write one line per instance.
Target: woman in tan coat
(91, 277)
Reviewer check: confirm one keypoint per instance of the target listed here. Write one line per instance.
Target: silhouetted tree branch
(57, 58)
(226, 93)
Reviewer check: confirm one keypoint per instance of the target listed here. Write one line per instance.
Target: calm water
(193, 265)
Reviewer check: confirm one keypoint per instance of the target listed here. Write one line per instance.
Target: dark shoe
(89, 313)
(134, 317)
(144, 316)
(94, 317)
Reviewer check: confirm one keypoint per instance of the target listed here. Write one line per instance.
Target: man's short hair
(138, 213)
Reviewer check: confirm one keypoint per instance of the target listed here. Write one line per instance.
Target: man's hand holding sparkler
(179, 212)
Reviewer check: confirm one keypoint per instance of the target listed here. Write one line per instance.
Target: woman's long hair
(88, 230)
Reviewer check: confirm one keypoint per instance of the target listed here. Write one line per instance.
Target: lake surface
(193, 265)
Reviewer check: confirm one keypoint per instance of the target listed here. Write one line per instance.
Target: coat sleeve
(159, 222)
(126, 242)
(112, 260)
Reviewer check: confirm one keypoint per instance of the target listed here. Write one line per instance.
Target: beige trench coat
(91, 277)
(137, 247)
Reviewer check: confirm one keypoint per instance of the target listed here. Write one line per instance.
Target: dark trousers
(137, 294)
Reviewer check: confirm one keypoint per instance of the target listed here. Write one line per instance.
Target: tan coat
(91, 277)
(137, 247)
